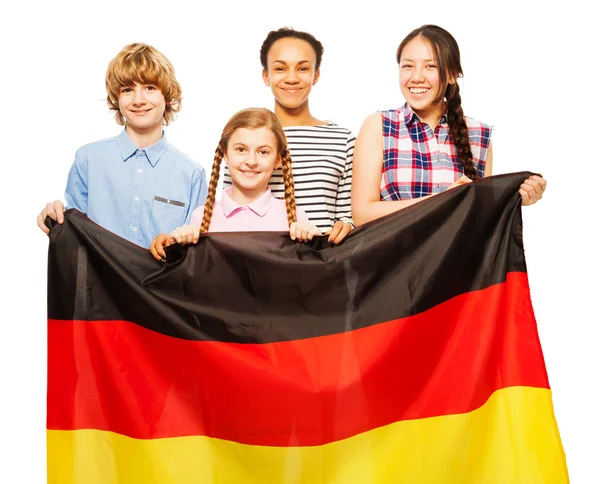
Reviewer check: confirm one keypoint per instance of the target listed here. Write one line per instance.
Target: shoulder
(393, 114)
(319, 130)
(197, 216)
(372, 123)
(98, 146)
(185, 161)
(335, 128)
(473, 123)
(327, 135)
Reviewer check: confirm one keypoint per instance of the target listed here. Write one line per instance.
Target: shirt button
(437, 185)
(137, 199)
(140, 171)
(134, 229)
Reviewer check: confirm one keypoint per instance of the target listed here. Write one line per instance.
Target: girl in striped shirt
(427, 146)
(321, 150)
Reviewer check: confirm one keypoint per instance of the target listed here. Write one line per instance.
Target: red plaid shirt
(418, 161)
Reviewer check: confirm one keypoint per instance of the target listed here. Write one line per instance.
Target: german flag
(408, 354)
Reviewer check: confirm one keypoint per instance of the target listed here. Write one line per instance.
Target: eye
(240, 149)
(125, 89)
(264, 152)
(406, 66)
(278, 69)
(151, 88)
(304, 69)
(431, 66)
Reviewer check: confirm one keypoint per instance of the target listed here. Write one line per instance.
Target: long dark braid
(459, 133)
(212, 189)
(288, 183)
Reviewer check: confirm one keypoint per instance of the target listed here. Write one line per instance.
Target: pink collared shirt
(265, 214)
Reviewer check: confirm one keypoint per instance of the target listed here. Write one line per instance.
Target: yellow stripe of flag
(511, 439)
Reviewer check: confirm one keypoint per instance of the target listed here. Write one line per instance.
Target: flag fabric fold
(409, 353)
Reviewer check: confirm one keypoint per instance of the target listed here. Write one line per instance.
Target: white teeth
(418, 90)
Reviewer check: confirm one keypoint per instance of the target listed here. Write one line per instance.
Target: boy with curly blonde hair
(136, 184)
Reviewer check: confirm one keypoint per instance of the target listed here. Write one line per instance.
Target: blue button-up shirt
(135, 193)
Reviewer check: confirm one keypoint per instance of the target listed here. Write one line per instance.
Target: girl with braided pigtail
(405, 155)
(253, 145)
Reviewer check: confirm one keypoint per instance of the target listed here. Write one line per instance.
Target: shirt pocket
(166, 215)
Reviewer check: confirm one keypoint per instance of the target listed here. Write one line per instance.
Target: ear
(317, 75)
(265, 76)
(453, 78)
(278, 162)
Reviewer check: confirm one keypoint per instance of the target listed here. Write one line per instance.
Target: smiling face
(143, 107)
(291, 72)
(251, 156)
(420, 79)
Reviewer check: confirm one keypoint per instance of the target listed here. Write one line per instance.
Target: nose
(140, 95)
(291, 76)
(418, 74)
(251, 159)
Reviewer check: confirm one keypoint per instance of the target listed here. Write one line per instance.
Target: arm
(366, 180)
(489, 158)
(343, 207)
(197, 196)
(76, 192)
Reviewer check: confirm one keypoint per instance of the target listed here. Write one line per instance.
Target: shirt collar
(153, 153)
(260, 206)
(410, 116)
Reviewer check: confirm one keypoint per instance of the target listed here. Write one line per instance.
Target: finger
(536, 185)
(312, 232)
(40, 222)
(299, 232)
(186, 237)
(305, 235)
(196, 235)
(534, 190)
(153, 250)
(525, 200)
(59, 209)
(293, 231)
(176, 236)
(541, 183)
(335, 231)
(49, 211)
(163, 241)
(530, 189)
(342, 235)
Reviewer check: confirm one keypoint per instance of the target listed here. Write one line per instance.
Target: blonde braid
(212, 189)
(288, 183)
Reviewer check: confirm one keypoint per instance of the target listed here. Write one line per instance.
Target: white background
(530, 71)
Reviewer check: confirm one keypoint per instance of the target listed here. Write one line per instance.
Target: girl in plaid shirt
(405, 155)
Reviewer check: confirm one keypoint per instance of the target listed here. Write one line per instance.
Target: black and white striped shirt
(322, 170)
